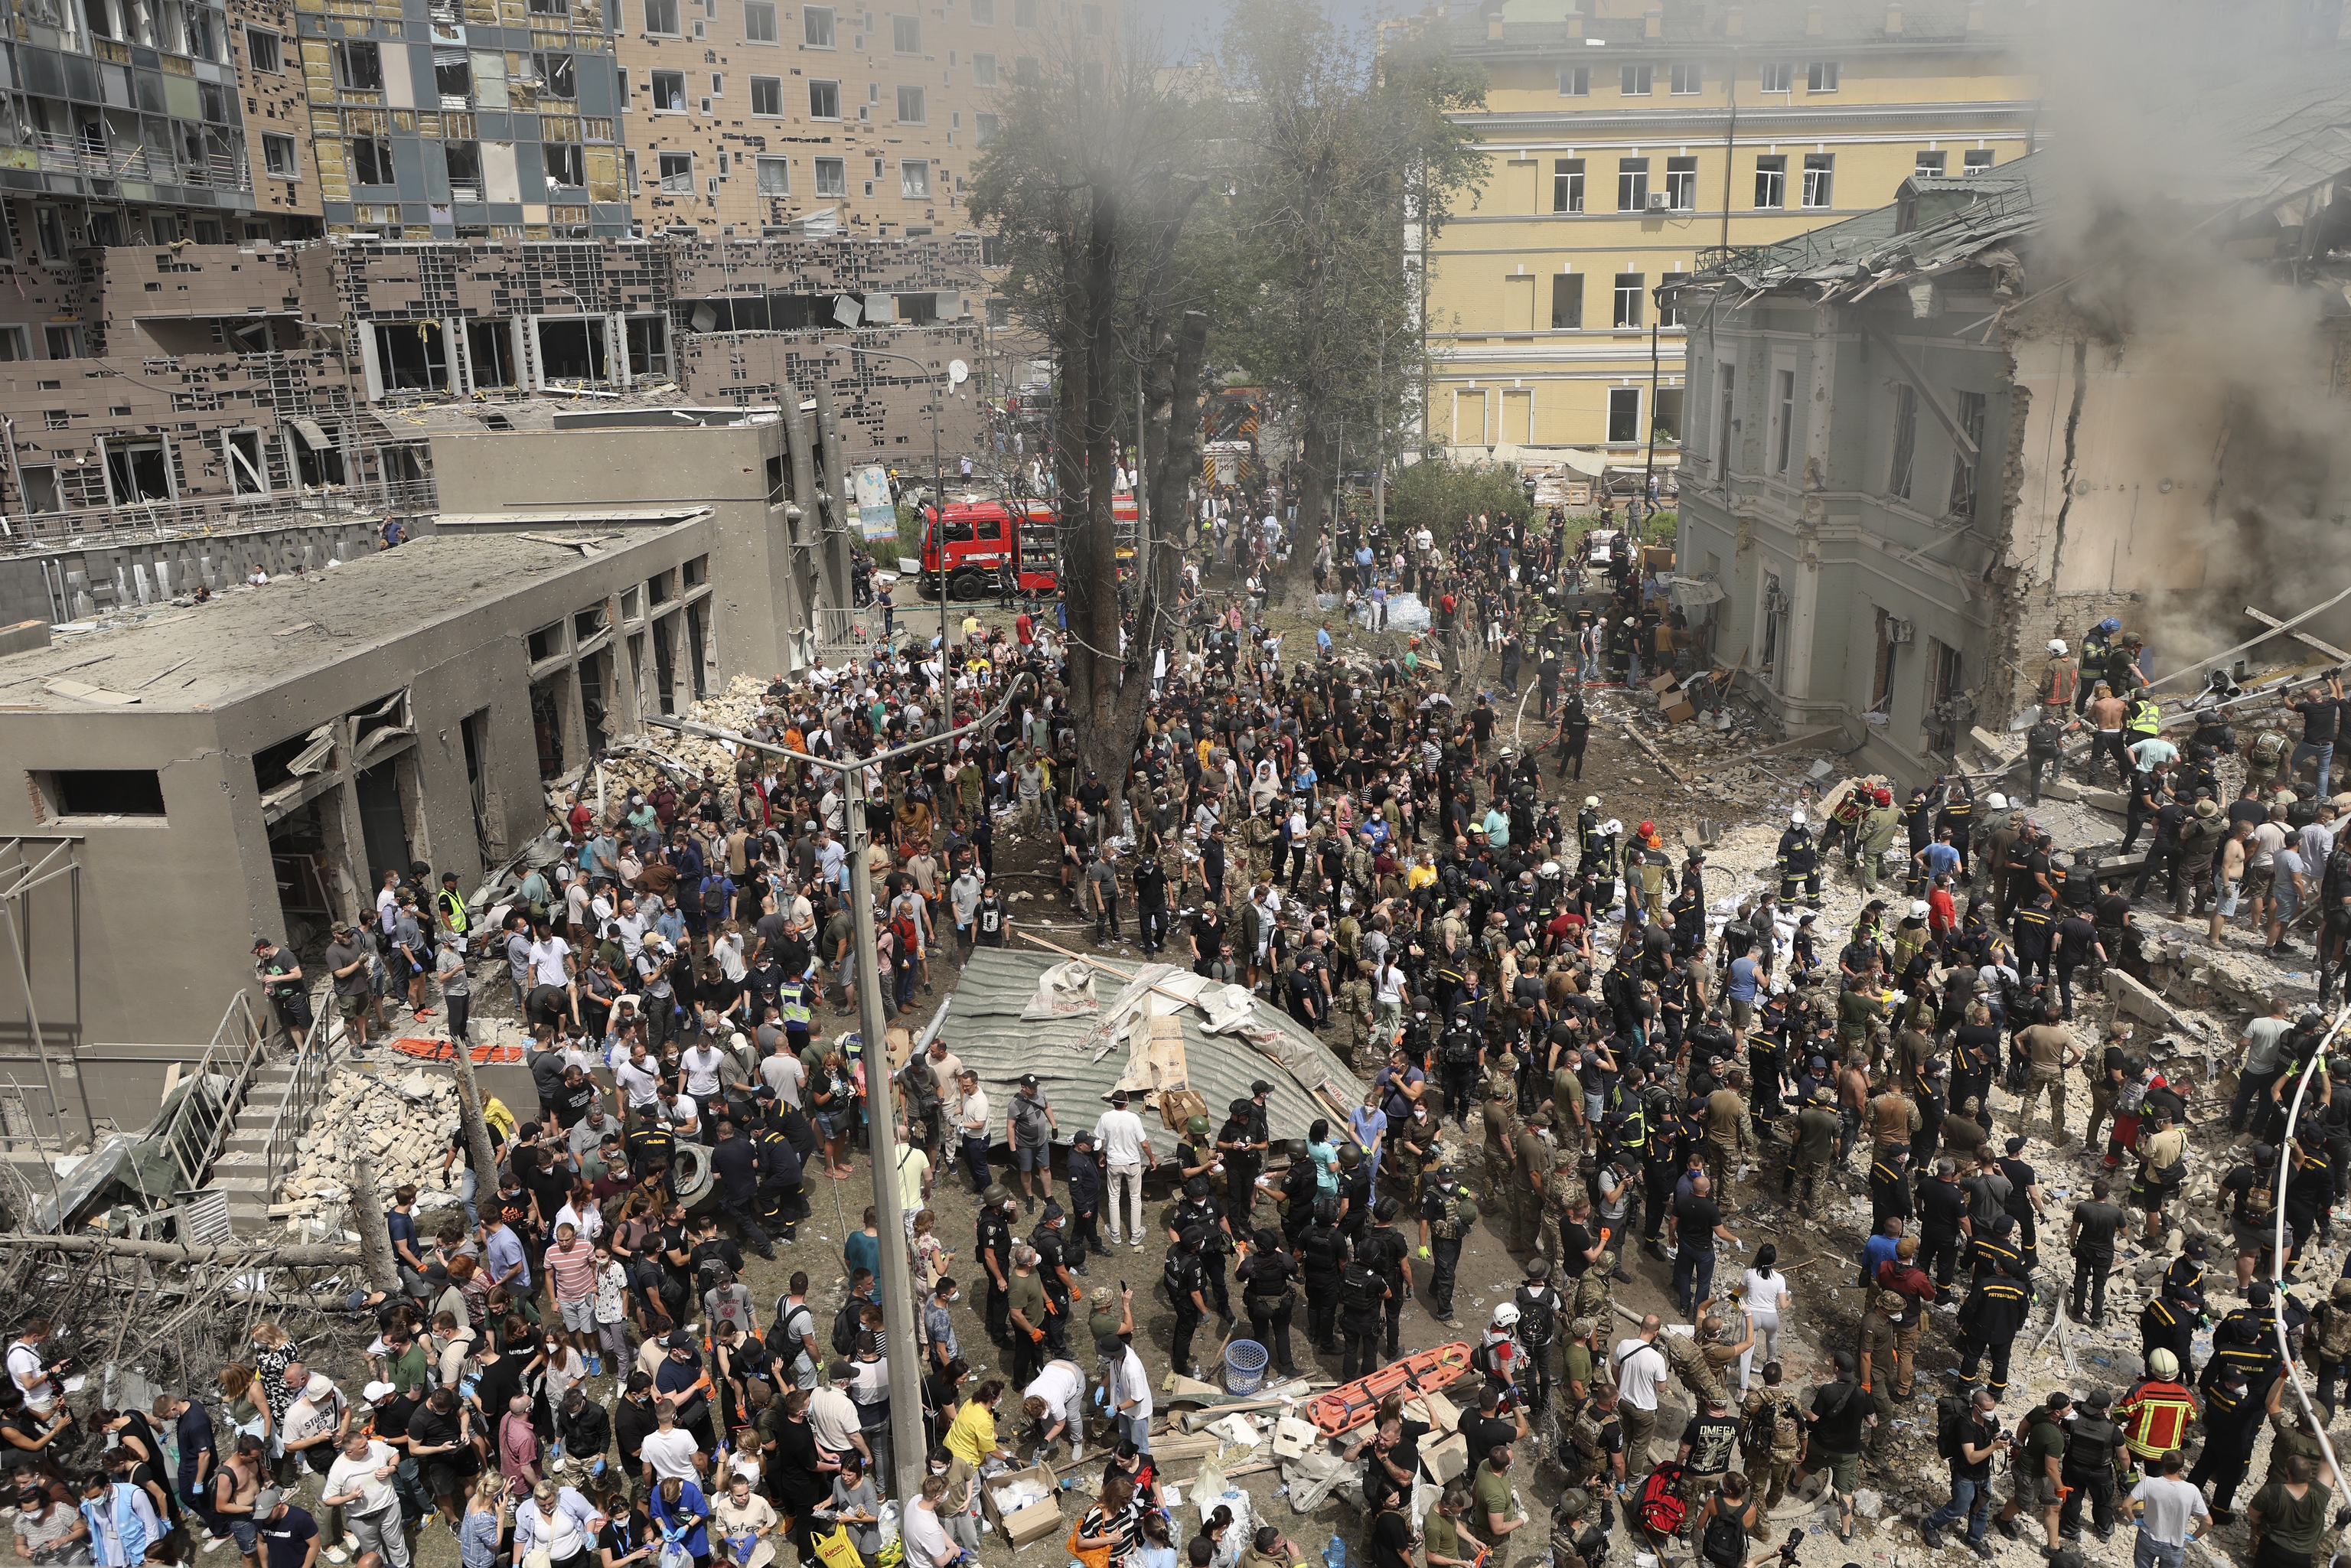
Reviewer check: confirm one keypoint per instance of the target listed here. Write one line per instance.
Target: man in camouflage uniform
(1594, 1292)
(1499, 1118)
(1530, 1168)
(1351, 1010)
(1593, 1452)
(1690, 1364)
(1817, 1127)
(1560, 1195)
(1773, 1437)
(1410, 1143)
(1259, 838)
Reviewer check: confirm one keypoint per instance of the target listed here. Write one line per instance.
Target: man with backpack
(2088, 1469)
(1966, 1436)
(2036, 1459)
(1834, 1420)
(1772, 1437)
(1362, 1289)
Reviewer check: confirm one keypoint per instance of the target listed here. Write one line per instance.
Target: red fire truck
(981, 536)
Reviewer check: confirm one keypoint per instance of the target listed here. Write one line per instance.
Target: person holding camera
(2036, 1457)
(1966, 1439)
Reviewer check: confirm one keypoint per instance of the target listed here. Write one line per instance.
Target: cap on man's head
(261, 943)
(1260, 1087)
(1027, 1081)
(2015, 1145)
(265, 1501)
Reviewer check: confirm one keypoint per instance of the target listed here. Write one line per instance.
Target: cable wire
(2316, 1064)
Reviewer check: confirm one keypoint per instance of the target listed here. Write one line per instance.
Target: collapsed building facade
(1928, 440)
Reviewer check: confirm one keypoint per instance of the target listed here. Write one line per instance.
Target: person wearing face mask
(1446, 1216)
(1412, 1137)
(958, 1504)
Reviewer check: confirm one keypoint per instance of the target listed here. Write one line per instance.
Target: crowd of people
(1363, 844)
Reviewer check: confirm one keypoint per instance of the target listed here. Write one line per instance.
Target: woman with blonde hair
(482, 1536)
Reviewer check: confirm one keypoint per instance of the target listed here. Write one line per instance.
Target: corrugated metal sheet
(984, 1028)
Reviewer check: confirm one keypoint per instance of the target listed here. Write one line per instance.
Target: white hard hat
(1917, 909)
(1507, 1314)
(1591, 802)
(2057, 644)
(1997, 801)
(1795, 819)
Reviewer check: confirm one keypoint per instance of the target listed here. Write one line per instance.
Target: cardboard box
(1022, 1526)
(1445, 1461)
(1681, 712)
(1661, 684)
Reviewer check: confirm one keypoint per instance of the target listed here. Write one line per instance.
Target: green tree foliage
(1436, 496)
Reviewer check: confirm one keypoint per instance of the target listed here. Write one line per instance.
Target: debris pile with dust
(404, 1124)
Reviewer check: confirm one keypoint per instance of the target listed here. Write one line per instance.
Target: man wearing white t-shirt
(670, 1451)
(1129, 1389)
(1055, 1400)
(1126, 1151)
(360, 1483)
(2164, 1506)
(1641, 1377)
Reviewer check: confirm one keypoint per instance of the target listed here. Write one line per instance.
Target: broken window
(669, 93)
(1820, 75)
(556, 76)
(1905, 439)
(1628, 300)
(1978, 160)
(491, 351)
(107, 792)
(359, 65)
(277, 156)
(41, 488)
(775, 176)
(1727, 376)
(911, 110)
(914, 179)
(1820, 173)
(1567, 185)
(464, 164)
(648, 345)
(1783, 419)
(570, 348)
(370, 161)
(317, 466)
(1881, 682)
(413, 355)
(984, 128)
(816, 26)
(1681, 183)
(249, 474)
(136, 471)
(1623, 414)
(565, 164)
(1567, 302)
(1929, 166)
(1668, 416)
(832, 177)
(1971, 416)
(678, 173)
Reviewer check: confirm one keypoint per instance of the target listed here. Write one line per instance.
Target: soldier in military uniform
(1409, 1141)
(1594, 1454)
(1560, 1195)
(1447, 1215)
(1690, 1364)
(1773, 1437)
(1817, 1127)
(1258, 838)
(1594, 1290)
(1352, 1011)
(1531, 1160)
(1499, 1120)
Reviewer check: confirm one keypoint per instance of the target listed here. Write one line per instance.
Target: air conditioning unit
(1657, 201)
(1900, 631)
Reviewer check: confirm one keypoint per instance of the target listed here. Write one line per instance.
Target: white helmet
(1506, 1315)
(1591, 802)
(1997, 801)
(1917, 909)
(2057, 645)
(1795, 819)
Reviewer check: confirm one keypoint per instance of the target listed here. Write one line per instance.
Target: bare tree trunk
(1178, 456)
(1097, 668)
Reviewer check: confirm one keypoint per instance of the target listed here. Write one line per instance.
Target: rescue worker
(1798, 860)
(1265, 1276)
(1322, 1257)
(1186, 1284)
(1989, 1320)
(1446, 1216)
(1200, 1209)
(2061, 678)
(1875, 836)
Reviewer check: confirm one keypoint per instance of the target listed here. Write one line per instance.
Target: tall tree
(1091, 180)
(1350, 145)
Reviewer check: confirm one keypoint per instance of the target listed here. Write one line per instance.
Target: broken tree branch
(244, 1254)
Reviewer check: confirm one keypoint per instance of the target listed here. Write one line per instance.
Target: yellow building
(1631, 142)
(748, 116)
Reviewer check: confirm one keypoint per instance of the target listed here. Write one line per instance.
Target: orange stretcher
(438, 1051)
(1351, 1405)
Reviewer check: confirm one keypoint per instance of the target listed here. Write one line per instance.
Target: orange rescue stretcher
(1351, 1405)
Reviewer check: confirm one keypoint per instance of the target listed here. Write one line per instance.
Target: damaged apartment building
(1928, 440)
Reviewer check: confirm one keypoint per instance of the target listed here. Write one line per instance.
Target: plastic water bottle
(1335, 1555)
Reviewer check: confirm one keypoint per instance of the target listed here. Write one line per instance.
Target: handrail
(304, 1090)
(247, 1051)
(209, 515)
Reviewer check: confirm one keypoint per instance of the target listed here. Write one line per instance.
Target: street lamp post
(938, 503)
(906, 1439)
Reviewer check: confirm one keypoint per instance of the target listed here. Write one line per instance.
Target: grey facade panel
(599, 83)
(424, 172)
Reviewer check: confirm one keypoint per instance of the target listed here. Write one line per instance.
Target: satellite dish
(957, 372)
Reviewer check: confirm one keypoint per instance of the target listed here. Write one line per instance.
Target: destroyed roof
(1993, 208)
(1077, 1070)
(2261, 144)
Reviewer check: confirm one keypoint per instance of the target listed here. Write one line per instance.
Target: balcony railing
(198, 517)
(69, 155)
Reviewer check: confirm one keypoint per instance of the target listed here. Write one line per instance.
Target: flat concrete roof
(248, 641)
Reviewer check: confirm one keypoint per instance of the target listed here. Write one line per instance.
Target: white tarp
(1405, 613)
(1065, 990)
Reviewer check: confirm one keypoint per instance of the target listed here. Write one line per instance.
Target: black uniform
(1384, 1249)
(1186, 1289)
(1208, 1214)
(1362, 1289)
(1989, 1318)
(996, 1238)
(1265, 1292)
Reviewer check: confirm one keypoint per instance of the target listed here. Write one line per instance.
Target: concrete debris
(403, 1122)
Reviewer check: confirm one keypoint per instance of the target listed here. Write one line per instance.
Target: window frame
(1624, 313)
(1686, 78)
(774, 86)
(1969, 164)
(1628, 75)
(1902, 457)
(577, 155)
(908, 167)
(1632, 184)
(1780, 450)
(1681, 183)
(1567, 187)
(1823, 188)
(341, 54)
(1777, 76)
(277, 42)
(899, 22)
(292, 173)
(808, 14)
(1823, 76)
(922, 105)
(1567, 288)
(759, 174)
(676, 28)
(1772, 167)
(977, 56)
(1630, 399)
(653, 92)
(1575, 81)
(661, 176)
(756, 7)
(837, 167)
(986, 127)
(1921, 169)
(814, 83)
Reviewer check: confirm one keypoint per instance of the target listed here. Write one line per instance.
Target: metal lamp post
(906, 1442)
(939, 493)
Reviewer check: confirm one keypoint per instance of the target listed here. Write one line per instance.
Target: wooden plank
(1637, 738)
